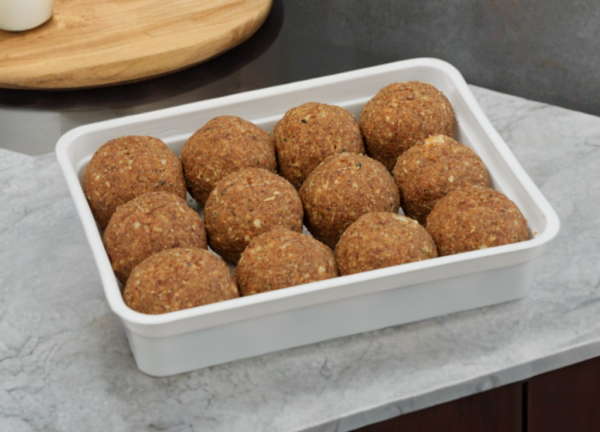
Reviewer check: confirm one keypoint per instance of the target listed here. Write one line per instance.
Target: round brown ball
(149, 224)
(307, 134)
(430, 170)
(127, 167)
(282, 258)
(379, 240)
(475, 218)
(246, 204)
(177, 279)
(224, 145)
(343, 188)
(401, 115)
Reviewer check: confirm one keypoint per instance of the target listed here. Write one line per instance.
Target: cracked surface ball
(308, 134)
(343, 188)
(246, 204)
(475, 218)
(149, 224)
(379, 240)
(430, 170)
(177, 279)
(224, 145)
(127, 167)
(401, 115)
(282, 258)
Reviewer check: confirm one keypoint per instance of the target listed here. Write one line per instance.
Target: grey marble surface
(65, 364)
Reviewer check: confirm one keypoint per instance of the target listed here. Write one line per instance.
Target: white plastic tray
(195, 338)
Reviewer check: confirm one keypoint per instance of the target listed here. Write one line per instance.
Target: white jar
(19, 15)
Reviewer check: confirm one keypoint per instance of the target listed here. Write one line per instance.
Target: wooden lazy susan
(91, 43)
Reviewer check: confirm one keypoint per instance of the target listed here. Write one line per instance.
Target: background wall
(546, 50)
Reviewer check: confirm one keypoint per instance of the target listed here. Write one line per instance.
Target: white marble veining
(65, 364)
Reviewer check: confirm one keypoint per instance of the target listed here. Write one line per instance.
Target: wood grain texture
(498, 410)
(91, 43)
(565, 400)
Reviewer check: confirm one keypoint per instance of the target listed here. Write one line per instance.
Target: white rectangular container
(203, 336)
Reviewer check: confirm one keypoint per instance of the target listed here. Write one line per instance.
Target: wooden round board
(91, 43)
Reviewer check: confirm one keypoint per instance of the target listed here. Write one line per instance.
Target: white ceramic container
(195, 338)
(19, 15)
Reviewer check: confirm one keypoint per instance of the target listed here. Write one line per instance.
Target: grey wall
(542, 50)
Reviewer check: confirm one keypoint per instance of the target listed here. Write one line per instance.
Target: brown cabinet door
(498, 410)
(566, 400)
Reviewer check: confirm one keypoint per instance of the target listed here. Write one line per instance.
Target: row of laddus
(398, 117)
(182, 278)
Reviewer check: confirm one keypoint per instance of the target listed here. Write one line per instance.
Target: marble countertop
(65, 363)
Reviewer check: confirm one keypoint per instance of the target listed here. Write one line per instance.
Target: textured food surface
(282, 258)
(246, 204)
(224, 145)
(177, 279)
(149, 224)
(475, 218)
(431, 169)
(401, 115)
(127, 167)
(343, 188)
(379, 240)
(307, 134)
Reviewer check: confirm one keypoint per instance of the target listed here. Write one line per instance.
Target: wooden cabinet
(497, 410)
(565, 400)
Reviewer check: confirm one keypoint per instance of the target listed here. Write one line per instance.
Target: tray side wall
(320, 322)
